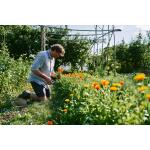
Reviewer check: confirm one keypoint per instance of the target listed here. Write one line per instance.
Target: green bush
(13, 76)
(77, 102)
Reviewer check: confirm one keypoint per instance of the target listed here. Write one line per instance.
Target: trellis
(97, 37)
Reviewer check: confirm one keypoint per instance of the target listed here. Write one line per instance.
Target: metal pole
(102, 38)
(107, 47)
(114, 51)
(96, 47)
(102, 52)
(66, 26)
(97, 41)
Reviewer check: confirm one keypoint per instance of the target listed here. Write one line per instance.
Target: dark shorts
(40, 90)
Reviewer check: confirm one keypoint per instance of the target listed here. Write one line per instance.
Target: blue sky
(128, 32)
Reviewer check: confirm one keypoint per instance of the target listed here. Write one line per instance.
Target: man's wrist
(42, 75)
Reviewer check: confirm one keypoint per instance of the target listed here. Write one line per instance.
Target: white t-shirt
(45, 63)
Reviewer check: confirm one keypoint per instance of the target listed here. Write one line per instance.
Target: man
(41, 73)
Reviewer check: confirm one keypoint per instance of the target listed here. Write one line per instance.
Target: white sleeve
(38, 62)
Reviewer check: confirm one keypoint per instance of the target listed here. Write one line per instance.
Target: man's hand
(42, 75)
(48, 80)
(55, 76)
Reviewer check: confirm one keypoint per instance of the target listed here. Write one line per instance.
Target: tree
(133, 57)
(122, 56)
(77, 52)
(23, 39)
(136, 53)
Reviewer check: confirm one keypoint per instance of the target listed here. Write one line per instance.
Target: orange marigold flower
(65, 110)
(97, 87)
(94, 84)
(60, 70)
(50, 122)
(113, 88)
(105, 82)
(139, 77)
(148, 96)
(122, 82)
(81, 78)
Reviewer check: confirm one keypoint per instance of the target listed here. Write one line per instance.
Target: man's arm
(42, 75)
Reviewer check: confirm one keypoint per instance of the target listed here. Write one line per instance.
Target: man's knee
(34, 97)
(42, 98)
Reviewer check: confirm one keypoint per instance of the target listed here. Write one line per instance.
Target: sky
(128, 32)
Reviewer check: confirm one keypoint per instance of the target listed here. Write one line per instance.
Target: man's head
(57, 51)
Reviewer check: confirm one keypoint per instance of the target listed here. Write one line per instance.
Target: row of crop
(83, 99)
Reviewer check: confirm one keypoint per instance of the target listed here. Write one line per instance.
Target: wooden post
(43, 38)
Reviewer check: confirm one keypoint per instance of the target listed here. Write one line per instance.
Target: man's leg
(40, 92)
(48, 93)
(25, 94)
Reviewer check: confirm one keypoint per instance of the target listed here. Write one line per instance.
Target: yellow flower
(86, 85)
(139, 77)
(148, 96)
(116, 84)
(142, 88)
(113, 88)
(71, 95)
(67, 100)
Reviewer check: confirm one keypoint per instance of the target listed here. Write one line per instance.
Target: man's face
(56, 54)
